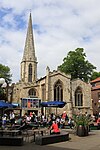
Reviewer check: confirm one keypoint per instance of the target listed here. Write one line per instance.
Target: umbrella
(59, 104)
(5, 105)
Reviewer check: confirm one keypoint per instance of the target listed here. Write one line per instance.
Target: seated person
(70, 122)
(23, 124)
(54, 128)
(98, 121)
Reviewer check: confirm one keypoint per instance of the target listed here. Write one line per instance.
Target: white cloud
(60, 26)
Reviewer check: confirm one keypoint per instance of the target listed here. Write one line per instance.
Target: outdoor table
(10, 132)
(39, 130)
(16, 126)
(34, 125)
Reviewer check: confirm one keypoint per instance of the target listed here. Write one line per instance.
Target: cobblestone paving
(91, 142)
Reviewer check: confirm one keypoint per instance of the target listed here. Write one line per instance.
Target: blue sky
(58, 26)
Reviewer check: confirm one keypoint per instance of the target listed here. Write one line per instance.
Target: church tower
(29, 60)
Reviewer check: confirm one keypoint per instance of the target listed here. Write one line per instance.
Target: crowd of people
(8, 118)
(32, 120)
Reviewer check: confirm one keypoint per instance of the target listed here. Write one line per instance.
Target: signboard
(30, 102)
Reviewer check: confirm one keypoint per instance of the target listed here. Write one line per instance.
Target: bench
(50, 139)
(11, 140)
(95, 126)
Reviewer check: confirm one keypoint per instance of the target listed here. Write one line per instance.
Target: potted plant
(82, 123)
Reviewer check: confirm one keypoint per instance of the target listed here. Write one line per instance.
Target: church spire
(29, 61)
(29, 50)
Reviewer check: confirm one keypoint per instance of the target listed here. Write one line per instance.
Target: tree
(95, 75)
(5, 73)
(76, 65)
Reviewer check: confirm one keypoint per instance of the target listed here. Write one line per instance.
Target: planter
(82, 123)
(82, 130)
(86, 131)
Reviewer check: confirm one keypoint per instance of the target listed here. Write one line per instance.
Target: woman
(54, 128)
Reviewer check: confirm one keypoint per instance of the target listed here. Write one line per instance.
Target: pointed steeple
(29, 49)
(29, 60)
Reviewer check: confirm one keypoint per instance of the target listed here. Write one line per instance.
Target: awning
(59, 104)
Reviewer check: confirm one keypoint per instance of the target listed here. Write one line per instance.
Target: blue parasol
(5, 105)
(59, 104)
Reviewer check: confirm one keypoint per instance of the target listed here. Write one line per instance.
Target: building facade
(54, 86)
(95, 94)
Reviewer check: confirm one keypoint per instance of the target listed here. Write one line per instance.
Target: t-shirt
(55, 128)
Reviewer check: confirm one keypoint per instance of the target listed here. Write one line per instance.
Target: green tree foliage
(95, 75)
(76, 65)
(3, 95)
(4, 73)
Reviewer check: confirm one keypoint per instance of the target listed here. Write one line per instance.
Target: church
(30, 91)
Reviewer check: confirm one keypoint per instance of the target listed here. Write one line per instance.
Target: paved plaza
(91, 142)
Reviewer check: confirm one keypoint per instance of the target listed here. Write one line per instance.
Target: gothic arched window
(30, 73)
(78, 97)
(32, 93)
(58, 91)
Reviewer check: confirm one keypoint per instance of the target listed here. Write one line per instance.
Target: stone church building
(54, 86)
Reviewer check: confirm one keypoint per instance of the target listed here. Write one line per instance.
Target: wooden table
(10, 132)
(40, 130)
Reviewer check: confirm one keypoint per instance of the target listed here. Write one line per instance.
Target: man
(12, 118)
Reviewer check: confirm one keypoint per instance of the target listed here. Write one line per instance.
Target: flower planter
(86, 132)
(82, 123)
(82, 130)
